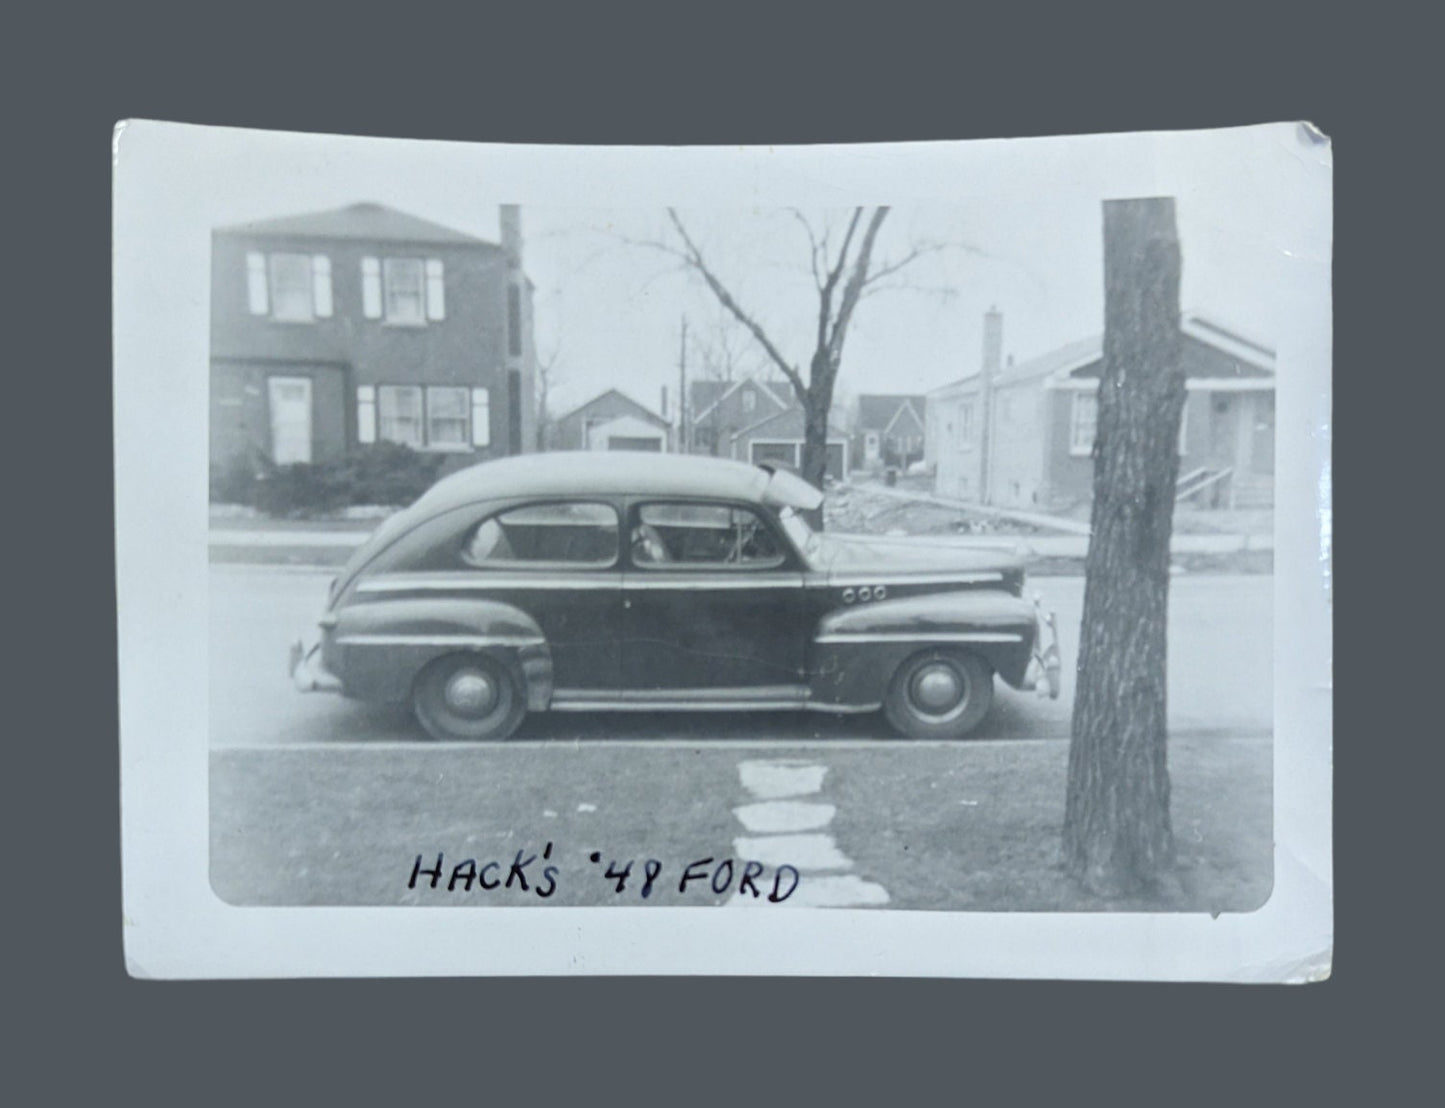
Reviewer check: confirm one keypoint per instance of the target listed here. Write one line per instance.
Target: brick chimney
(509, 220)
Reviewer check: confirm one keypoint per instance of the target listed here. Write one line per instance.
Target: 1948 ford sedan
(613, 581)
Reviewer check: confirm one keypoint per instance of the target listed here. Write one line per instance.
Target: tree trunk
(817, 402)
(1117, 832)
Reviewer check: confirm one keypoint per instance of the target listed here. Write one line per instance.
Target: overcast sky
(1012, 224)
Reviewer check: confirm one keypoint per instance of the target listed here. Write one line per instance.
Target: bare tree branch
(857, 279)
(813, 247)
(695, 259)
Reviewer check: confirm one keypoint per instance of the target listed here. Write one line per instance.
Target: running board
(780, 698)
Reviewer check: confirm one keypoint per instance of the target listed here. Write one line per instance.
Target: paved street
(316, 800)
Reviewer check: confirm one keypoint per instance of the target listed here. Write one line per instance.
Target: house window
(432, 417)
(446, 418)
(965, 424)
(1083, 423)
(293, 288)
(514, 321)
(750, 400)
(399, 408)
(406, 291)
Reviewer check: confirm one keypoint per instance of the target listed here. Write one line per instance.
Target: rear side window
(563, 533)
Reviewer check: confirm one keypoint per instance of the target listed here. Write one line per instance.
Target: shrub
(234, 480)
(380, 473)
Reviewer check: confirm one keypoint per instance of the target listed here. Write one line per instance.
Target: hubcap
(470, 692)
(937, 688)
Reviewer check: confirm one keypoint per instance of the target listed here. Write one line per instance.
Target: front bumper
(1046, 666)
(307, 672)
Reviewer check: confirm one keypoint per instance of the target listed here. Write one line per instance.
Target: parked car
(584, 581)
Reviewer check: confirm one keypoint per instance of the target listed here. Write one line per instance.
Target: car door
(557, 561)
(712, 600)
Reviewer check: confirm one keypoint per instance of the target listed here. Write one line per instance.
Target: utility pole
(682, 436)
(992, 357)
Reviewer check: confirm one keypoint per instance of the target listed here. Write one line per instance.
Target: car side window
(703, 535)
(561, 533)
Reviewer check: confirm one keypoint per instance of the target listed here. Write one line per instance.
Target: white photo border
(174, 924)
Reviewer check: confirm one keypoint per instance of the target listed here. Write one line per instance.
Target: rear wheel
(939, 694)
(467, 698)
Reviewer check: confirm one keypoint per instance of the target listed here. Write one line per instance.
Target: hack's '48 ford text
(619, 581)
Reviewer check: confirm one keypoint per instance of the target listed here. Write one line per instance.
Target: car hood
(851, 555)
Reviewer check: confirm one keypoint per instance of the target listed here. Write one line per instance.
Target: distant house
(720, 409)
(779, 438)
(1035, 448)
(611, 421)
(890, 431)
(363, 324)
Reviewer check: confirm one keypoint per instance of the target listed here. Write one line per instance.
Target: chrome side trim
(477, 581)
(705, 581)
(441, 640)
(920, 579)
(781, 698)
(918, 636)
(485, 582)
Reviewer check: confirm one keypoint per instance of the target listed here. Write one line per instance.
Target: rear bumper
(307, 672)
(1046, 666)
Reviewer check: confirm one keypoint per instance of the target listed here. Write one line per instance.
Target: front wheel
(467, 698)
(939, 694)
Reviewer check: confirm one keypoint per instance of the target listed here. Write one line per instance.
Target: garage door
(626, 442)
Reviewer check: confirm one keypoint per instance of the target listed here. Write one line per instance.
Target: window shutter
(366, 414)
(481, 417)
(436, 303)
(371, 288)
(321, 285)
(256, 283)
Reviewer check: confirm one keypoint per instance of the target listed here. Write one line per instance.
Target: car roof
(616, 472)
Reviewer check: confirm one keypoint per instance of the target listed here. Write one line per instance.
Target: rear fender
(857, 649)
(379, 647)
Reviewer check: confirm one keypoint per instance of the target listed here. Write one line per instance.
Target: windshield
(801, 535)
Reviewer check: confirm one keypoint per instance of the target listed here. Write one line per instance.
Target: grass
(965, 827)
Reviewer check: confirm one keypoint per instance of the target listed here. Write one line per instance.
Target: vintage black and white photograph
(902, 559)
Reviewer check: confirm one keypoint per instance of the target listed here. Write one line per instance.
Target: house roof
(728, 390)
(763, 423)
(1081, 358)
(371, 222)
(641, 410)
(878, 413)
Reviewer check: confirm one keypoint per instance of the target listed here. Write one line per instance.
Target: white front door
(290, 419)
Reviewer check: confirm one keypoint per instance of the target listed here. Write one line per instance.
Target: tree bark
(1117, 833)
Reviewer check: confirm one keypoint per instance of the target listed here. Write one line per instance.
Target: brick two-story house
(364, 324)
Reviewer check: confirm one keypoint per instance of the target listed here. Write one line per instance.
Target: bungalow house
(340, 328)
(1023, 435)
(779, 438)
(890, 431)
(720, 409)
(612, 420)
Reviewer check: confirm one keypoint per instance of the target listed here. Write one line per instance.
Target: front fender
(377, 648)
(857, 649)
